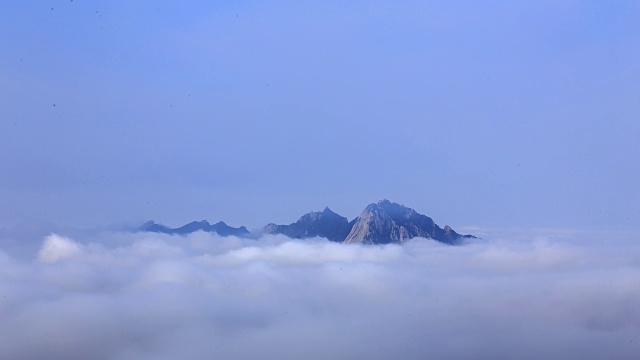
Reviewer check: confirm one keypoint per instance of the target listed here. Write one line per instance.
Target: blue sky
(490, 114)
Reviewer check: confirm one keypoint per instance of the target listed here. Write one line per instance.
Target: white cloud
(151, 296)
(58, 247)
(311, 252)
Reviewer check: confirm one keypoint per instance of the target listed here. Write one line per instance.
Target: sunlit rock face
(385, 222)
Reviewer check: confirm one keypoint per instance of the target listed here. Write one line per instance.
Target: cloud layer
(123, 296)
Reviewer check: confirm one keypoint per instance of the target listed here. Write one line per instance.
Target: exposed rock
(386, 222)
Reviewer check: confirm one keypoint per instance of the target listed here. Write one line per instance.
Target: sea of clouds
(126, 296)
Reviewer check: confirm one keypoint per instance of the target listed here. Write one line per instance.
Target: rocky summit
(385, 222)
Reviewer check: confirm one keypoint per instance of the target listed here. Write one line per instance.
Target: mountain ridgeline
(383, 222)
(219, 228)
(325, 224)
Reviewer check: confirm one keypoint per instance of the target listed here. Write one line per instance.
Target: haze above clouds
(150, 296)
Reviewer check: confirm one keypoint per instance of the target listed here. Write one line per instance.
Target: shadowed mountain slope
(326, 224)
(220, 228)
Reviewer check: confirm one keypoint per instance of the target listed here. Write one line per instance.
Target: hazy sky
(485, 113)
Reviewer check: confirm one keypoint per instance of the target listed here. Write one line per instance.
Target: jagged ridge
(220, 228)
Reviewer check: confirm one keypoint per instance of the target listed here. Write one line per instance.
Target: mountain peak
(225, 230)
(151, 226)
(388, 222)
(326, 224)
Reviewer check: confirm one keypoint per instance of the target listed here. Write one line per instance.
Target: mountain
(385, 222)
(220, 228)
(326, 224)
(151, 226)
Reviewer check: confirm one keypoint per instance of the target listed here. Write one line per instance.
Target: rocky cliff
(385, 222)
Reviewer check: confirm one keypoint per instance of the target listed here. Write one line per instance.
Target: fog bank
(122, 296)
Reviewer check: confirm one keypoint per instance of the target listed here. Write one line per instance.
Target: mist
(121, 296)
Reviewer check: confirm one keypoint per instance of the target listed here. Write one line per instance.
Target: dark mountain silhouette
(326, 224)
(220, 228)
(151, 226)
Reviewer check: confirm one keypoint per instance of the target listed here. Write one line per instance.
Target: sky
(479, 114)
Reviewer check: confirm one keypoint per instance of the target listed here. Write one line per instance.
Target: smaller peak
(148, 225)
(270, 228)
(221, 223)
(328, 213)
(203, 222)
